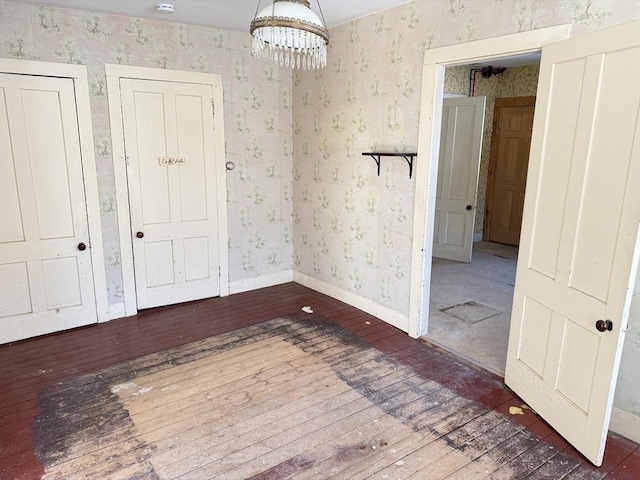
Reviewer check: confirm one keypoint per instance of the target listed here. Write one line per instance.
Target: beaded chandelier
(290, 34)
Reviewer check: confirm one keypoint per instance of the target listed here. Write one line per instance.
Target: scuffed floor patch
(284, 398)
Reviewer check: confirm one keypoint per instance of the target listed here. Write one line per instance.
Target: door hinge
(126, 160)
(213, 108)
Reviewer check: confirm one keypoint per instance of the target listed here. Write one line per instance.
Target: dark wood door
(508, 164)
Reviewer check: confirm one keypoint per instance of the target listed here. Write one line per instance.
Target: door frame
(493, 155)
(435, 62)
(78, 73)
(114, 73)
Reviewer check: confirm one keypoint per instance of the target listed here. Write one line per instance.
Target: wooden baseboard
(262, 281)
(392, 317)
(116, 310)
(625, 424)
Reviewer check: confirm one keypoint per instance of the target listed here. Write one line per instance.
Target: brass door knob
(139, 234)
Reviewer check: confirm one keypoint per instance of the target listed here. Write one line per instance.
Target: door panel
(193, 193)
(15, 298)
(508, 166)
(172, 187)
(196, 258)
(61, 287)
(459, 165)
(580, 230)
(46, 282)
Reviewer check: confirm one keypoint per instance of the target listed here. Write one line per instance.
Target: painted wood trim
(122, 195)
(392, 317)
(117, 310)
(435, 61)
(90, 176)
(221, 189)
(114, 74)
(496, 47)
(625, 424)
(149, 73)
(46, 69)
(263, 281)
(78, 73)
(425, 198)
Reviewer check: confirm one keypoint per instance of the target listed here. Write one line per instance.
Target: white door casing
(459, 166)
(46, 209)
(578, 252)
(435, 62)
(184, 219)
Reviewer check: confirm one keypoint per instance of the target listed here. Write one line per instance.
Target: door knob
(604, 325)
(139, 234)
(469, 207)
(82, 247)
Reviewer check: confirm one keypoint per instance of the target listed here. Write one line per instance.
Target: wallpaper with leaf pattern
(258, 113)
(301, 196)
(352, 228)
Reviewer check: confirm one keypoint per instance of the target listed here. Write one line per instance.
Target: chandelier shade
(290, 34)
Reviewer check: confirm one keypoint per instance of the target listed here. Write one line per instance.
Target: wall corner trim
(386, 314)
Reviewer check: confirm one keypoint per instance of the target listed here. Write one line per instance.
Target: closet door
(46, 279)
(169, 141)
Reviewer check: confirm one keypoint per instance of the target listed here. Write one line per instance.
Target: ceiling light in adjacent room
(289, 33)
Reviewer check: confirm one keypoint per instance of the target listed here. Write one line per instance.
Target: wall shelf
(407, 156)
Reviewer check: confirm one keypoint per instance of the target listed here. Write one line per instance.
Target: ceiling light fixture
(289, 33)
(164, 8)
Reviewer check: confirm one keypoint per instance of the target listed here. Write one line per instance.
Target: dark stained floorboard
(29, 366)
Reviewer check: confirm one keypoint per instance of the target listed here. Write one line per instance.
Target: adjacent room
(481, 174)
(291, 239)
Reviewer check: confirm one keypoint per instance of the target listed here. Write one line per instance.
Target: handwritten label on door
(165, 161)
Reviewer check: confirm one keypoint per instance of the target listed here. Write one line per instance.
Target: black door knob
(469, 207)
(139, 234)
(82, 247)
(604, 325)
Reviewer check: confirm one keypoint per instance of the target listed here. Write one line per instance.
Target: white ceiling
(225, 14)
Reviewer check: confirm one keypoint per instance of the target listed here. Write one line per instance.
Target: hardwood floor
(248, 386)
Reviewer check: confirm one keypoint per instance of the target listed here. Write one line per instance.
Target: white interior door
(459, 165)
(579, 252)
(46, 280)
(169, 131)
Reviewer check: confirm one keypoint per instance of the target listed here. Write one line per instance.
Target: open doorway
(471, 302)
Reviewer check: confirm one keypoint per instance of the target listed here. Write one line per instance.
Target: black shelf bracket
(407, 156)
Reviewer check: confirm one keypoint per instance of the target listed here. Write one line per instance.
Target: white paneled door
(579, 247)
(46, 279)
(169, 132)
(458, 168)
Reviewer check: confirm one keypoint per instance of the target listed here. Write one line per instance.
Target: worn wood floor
(250, 387)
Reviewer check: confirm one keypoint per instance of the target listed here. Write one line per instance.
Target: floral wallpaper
(351, 228)
(302, 196)
(519, 81)
(258, 117)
